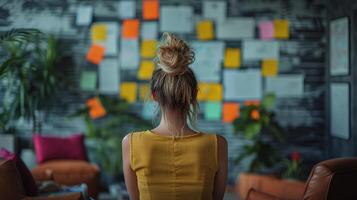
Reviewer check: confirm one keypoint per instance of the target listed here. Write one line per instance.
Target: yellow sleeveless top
(171, 168)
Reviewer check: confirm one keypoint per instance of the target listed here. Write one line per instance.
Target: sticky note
(95, 54)
(252, 103)
(148, 48)
(128, 91)
(146, 69)
(281, 28)
(213, 110)
(99, 32)
(266, 30)
(209, 92)
(150, 9)
(88, 81)
(270, 67)
(231, 111)
(96, 109)
(130, 28)
(232, 58)
(205, 30)
(144, 92)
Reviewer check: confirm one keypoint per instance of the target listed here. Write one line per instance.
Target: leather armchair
(333, 179)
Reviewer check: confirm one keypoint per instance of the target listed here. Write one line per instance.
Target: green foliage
(30, 73)
(257, 124)
(110, 130)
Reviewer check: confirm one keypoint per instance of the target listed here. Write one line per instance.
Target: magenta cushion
(52, 147)
(29, 183)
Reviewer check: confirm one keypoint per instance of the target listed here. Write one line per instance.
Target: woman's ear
(153, 94)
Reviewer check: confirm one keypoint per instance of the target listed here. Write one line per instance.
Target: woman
(172, 161)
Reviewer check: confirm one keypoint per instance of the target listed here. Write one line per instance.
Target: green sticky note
(213, 110)
(88, 81)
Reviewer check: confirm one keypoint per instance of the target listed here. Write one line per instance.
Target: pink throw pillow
(52, 147)
(29, 183)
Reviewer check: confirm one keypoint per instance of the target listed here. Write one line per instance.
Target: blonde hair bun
(174, 55)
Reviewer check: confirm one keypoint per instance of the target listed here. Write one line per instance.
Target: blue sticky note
(213, 110)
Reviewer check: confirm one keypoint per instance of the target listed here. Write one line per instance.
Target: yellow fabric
(181, 168)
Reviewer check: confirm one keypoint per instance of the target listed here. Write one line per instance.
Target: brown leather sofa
(329, 180)
(69, 172)
(11, 186)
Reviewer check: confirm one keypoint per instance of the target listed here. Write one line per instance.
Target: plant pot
(285, 189)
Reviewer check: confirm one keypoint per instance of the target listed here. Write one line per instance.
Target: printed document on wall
(149, 30)
(236, 28)
(110, 43)
(286, 85)
(176, 19)
(84, 15)
(109, 76)
(242, 84)
(258, 50)
(126, 9)
(209, 57)
(129, 54)
(215, 10)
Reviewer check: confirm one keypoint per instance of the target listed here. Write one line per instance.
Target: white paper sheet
(176, 19)
(109, 76)
(129, 54)
(215, 10)
(340, 110)
(242, 84)
(84, 15)
(149, 30)
(111, 43)
(236, 28)
(258, 50)
(209, 57)
(285, 85)
(339, 47)
(126, 9)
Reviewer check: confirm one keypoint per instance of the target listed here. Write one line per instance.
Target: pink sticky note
(266, 30)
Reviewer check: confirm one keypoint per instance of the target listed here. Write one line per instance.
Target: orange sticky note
(231, 111)
(146, 69)
(96, 109)
(128, 91)
(270, 67)
(252, 103)
(151, 9)
(130, 28)
(232, 58)
(281, 28)
(95, 54)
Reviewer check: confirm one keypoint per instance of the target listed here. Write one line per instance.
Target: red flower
(255, 115)
(295, 156)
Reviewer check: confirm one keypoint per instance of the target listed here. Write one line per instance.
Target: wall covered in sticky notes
(112, 47)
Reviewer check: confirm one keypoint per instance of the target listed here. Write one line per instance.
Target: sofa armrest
(71, 196)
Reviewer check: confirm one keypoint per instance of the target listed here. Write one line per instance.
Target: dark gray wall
(339, 147)
(303, 52)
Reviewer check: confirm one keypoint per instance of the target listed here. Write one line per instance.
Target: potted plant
(293, 167)
(258, 125)
(105, 134)
(30, 74)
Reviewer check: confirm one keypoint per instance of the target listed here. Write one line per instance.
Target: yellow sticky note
(144, 92)
(99, 32)
(232, 58)
(148, 48)
(128, 91)
(270, 67)
(209, 92)
(146, 69)
(281, 28)
(205, 30)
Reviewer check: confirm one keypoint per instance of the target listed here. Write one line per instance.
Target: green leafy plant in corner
(30, 74)
(258, 125)
(110, 130)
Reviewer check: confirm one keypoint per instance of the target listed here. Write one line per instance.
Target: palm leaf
(19, 35)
